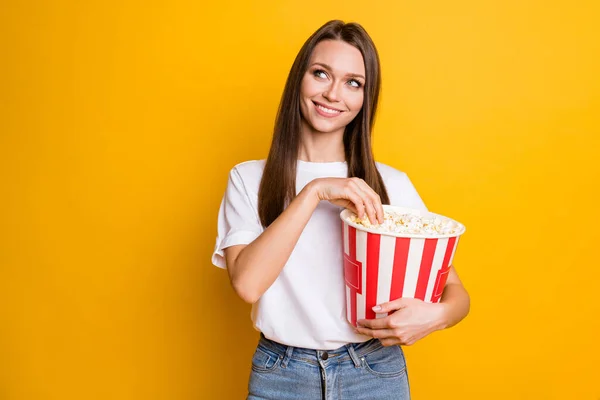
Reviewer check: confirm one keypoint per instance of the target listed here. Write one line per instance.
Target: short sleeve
(238, 221)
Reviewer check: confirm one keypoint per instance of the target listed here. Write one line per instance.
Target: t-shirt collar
(322, 166)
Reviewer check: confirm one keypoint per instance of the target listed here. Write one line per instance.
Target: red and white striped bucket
(380, 267)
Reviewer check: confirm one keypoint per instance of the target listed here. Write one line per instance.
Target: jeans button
(324, 356)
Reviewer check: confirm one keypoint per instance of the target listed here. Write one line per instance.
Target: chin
(327, 129)
(324, 127)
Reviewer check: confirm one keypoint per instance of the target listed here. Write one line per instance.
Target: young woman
(279, 235)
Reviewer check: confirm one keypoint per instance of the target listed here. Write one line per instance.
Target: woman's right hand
(351, 193)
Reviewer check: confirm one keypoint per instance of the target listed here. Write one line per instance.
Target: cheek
(355, 102)
(308, 88)
(304, 92)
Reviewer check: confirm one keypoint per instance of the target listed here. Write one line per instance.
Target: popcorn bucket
(380, 267)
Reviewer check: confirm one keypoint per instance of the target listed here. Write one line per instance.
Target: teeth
(328, 110)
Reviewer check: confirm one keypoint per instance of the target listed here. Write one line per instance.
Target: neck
(321, 146)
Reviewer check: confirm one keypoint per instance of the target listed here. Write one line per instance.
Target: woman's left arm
(413, 319)
(455, 299)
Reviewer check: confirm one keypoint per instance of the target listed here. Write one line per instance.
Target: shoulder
(390, 174)
(249, 174)
(400, 188)
(251, 167)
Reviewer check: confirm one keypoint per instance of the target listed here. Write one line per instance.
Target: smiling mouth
(327, 110)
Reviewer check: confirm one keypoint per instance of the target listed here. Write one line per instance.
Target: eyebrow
(331, 69)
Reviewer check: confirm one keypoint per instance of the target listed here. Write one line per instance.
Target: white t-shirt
(306, 305)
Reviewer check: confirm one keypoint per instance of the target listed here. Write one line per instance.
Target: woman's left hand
(410, 320)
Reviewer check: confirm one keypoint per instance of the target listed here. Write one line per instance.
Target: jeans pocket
(265, 360)
(386, 362)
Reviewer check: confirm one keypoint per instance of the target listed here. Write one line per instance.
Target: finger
(348, 204)
(358, 204)
(376, 333)
(364, 191)
(355, 196)
(374, 199)
(352, 208)
(390, 306)
(355, 187)
(379, 208)
(387, 342)
(371, 211)
(377, 323)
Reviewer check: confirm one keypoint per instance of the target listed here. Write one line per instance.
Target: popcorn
(402, 223)
(409, 255)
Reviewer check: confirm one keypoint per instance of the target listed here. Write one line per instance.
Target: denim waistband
(353, 351)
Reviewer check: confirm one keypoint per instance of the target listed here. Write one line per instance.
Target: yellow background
(120, 121)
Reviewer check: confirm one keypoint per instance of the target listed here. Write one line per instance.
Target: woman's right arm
(254, 267)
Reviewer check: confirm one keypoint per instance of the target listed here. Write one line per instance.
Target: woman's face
(331, 94)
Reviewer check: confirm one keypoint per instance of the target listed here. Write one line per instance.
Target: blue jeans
(355, 371)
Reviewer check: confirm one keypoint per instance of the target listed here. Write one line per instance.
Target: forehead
(341, 56)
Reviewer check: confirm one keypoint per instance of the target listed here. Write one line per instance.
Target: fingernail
(377, 308)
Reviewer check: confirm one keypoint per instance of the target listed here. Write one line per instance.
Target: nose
(332, 93)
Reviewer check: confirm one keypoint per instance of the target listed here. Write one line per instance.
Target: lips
(326, 111)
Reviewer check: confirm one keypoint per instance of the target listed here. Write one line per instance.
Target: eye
(354, 83)
(319, 73)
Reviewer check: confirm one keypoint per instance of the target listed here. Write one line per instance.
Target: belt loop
(353, 355)
(286, 358)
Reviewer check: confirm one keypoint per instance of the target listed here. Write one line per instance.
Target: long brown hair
(278, 184)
